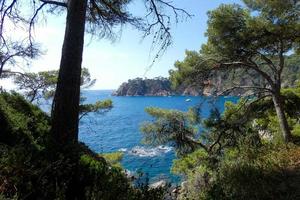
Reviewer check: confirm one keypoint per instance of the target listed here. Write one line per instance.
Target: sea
(119, 130)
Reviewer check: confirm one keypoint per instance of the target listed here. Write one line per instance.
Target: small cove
(118, 129)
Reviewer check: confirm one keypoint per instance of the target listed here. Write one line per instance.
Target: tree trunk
(65, 108)
(278, 104)
(1, 70)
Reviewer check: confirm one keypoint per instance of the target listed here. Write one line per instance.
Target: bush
(270, 172)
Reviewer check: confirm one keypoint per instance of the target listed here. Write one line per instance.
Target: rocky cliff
(153, 87)
(144, 87)
(218, 84)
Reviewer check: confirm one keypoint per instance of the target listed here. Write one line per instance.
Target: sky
(113, 63)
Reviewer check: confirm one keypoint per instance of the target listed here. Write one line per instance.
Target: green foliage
(113, 158)
(247, 46)
(171, 126)
(23, 140)
(188, 163)
(196, 70)
(103, 178)
(253, 174)
(242, 155)
(247, 174)
(32, 166)
(36, 85)
(265, 119)
(98, 107)
(243, 168)
(102, 181)
(43, 84)
(190, 71)
(291, 73)
(21, 121)
(227, 27)
(233, 32)
(296, 130)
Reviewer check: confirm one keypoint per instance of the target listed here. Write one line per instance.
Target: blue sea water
(118, 129)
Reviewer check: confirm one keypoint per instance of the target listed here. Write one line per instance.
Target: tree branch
(253, 65)
(56, 3)
(246, 87)
(31, 24)
(5, 14)
(160, 25)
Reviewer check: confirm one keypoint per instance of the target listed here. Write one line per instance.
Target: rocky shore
(154, 87)
(161, 86)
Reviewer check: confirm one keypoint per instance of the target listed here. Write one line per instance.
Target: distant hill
(159, 86)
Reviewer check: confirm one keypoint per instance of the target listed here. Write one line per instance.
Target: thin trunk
(1, 69)
(278, 104)
(33, 96)
(66, 101)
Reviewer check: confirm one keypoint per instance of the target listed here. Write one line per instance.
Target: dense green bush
(268, 173)
(24, 132)
(271, 172)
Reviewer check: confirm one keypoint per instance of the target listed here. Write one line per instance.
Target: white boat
(188, 100)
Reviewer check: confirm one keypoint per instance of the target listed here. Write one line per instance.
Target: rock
(176, 190)
(183, 186)
(191, 91)
(160, 86)
(158, 184)
(153, 87)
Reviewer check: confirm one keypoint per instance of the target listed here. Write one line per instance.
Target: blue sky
(129, 56)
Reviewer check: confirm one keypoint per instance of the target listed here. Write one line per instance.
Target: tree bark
(278, 104)
(1, 69)
(65, 108)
